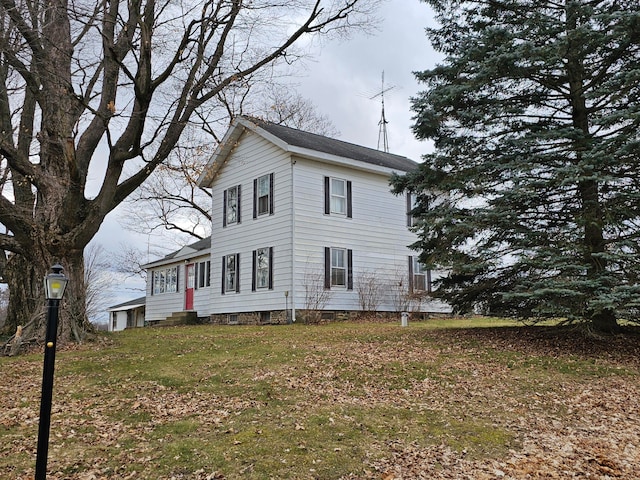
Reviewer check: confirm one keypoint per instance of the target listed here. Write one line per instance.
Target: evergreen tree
(532, 197)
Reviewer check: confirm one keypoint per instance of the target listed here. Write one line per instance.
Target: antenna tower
(382, 124)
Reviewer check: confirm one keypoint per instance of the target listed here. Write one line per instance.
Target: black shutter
(255, 198)
(410, 274)
(409, 204)
(271, 194)
(177, 278)
(349, 269)
(349, 208)
(238, 209)
(254, 270)
(327, 267)
(153, 277)
(208, 279)
(224, 208)
(224, 265)
(237, 273)
(270, 268)
(327, 200)
(428, 275)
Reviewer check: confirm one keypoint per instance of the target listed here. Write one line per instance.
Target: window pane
(337, 257)
(263, 194)
(419, 282)
(231, 273)
(263, 205)
(417, 266)
(338, 205)
(338, 196)
(337, 187)
(172, 277)
(263, 185)
(262, 268)
(191, 277)
(232, 205)
(338, 277)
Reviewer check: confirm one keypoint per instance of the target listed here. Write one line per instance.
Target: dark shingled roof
(130, 303)
(332, 146)
(197, 246)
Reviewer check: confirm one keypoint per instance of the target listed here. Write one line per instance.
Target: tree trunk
(605, 322)
(25, 277)
(591, 215)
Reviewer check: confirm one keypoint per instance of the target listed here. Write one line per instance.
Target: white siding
(252, 158)
(161, 305)
(377, 233)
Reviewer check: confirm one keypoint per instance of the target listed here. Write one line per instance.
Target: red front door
(188, 291)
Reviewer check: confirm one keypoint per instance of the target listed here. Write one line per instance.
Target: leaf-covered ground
(341, 401)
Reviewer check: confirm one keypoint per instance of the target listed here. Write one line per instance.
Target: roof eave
(178, 258)
(338, 160)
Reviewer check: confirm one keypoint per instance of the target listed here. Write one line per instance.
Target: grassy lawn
(343, 400)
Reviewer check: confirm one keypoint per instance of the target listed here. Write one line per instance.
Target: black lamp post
(54, 284)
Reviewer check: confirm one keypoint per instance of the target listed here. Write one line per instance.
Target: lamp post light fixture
(55, 284)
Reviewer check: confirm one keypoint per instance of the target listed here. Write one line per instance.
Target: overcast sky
(340, 81)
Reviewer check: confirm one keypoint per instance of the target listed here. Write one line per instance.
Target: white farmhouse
(302, 224)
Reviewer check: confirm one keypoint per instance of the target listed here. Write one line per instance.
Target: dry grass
(355, 400)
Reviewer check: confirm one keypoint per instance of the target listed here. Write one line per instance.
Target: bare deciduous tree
(98, 280)
(316, 296)
(94, 97)
(370, 289)
(400, 294)
(171, 201)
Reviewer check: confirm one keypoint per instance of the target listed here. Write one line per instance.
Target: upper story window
(231, 205)
(411, 203)
(165, 280)
(263, 195)
(337, 197)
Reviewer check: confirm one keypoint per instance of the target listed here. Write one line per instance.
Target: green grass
(280, 402)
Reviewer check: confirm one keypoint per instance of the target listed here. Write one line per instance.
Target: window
(165, 280)
(204, 277)
(263, 195)
(419, 276)
(412, 202)
(231, 273)
(262, 268)
(231, 206)
(337, 197)
(338, 268)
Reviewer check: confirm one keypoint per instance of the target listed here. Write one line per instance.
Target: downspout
(293, 243)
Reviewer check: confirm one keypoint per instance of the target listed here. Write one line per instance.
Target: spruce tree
(531, 199)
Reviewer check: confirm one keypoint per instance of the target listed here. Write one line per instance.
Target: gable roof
(305, 144)
(186, 251)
